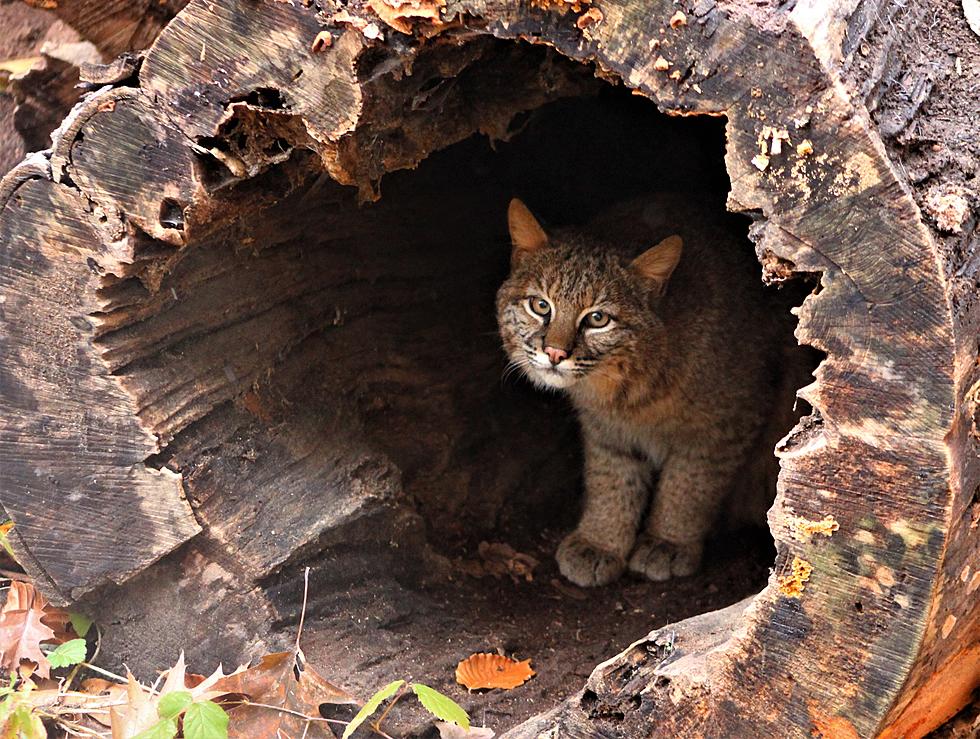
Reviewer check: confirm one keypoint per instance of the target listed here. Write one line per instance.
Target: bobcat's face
(562, 313)
(569, 311)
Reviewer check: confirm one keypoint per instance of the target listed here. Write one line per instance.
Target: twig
(16, 576)
(294, 713)
(377, 724)
(302, 614)
(74, 670)
(118, 678)
(70, 727)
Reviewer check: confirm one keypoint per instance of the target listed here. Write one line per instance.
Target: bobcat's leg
(692, 488)
(616, 488)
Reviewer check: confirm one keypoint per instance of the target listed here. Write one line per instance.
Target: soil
(386, 631)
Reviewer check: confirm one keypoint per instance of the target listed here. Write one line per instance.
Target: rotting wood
(890, 452)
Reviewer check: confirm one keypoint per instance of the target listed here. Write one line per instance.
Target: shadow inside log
(328, 379)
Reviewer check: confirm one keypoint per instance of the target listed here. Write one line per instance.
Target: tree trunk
(190, 297)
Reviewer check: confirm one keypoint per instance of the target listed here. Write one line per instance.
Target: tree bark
(115, 250)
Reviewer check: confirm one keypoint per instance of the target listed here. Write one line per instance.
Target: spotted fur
(680, 382)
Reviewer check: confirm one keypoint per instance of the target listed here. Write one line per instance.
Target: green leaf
(5, 528)
(441, 706)
(371, 706)
(70, 653)
(205, 720)
(162, 729)
(80, 622)
(25, 724)
(173, 704)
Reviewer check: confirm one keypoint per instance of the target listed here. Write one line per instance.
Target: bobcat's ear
(658, 263)
(526, 233)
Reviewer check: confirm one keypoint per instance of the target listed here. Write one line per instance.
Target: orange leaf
(493, 671)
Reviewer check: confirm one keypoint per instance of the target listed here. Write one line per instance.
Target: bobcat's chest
(652, 441)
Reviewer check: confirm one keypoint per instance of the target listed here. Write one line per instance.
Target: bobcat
(670, 358)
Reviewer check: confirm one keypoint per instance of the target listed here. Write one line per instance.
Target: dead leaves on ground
(26, 621)
(280, 681)
(279, 696)
(499, 560)
(479, 671)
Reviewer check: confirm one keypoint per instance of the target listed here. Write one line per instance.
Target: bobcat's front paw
(660, 560)
(585, 564)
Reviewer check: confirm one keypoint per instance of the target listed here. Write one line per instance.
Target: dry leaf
(22, 629)
(493, 671)
(140, 711)
(23, 596)
(454, 731)
(138, 714)
(274, 682)
(105, 691)
(501, 559)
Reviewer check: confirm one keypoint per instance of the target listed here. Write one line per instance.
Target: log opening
(327, 379)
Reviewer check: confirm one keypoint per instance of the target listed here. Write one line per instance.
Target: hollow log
(204, 378)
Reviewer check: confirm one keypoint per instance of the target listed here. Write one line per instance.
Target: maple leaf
(24, 596)
(22, 629)
(282, 680)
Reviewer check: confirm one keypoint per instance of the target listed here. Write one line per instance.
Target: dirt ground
(387, 631)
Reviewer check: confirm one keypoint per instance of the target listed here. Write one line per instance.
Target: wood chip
(591, 17)
(804, 148)
(322, 42)
(678, 19)
(661, 65)
(761, 161)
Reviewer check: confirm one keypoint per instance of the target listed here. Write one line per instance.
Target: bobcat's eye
(596, 319)
(539, 306)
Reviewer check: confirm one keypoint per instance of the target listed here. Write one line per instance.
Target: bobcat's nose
(555, 355)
